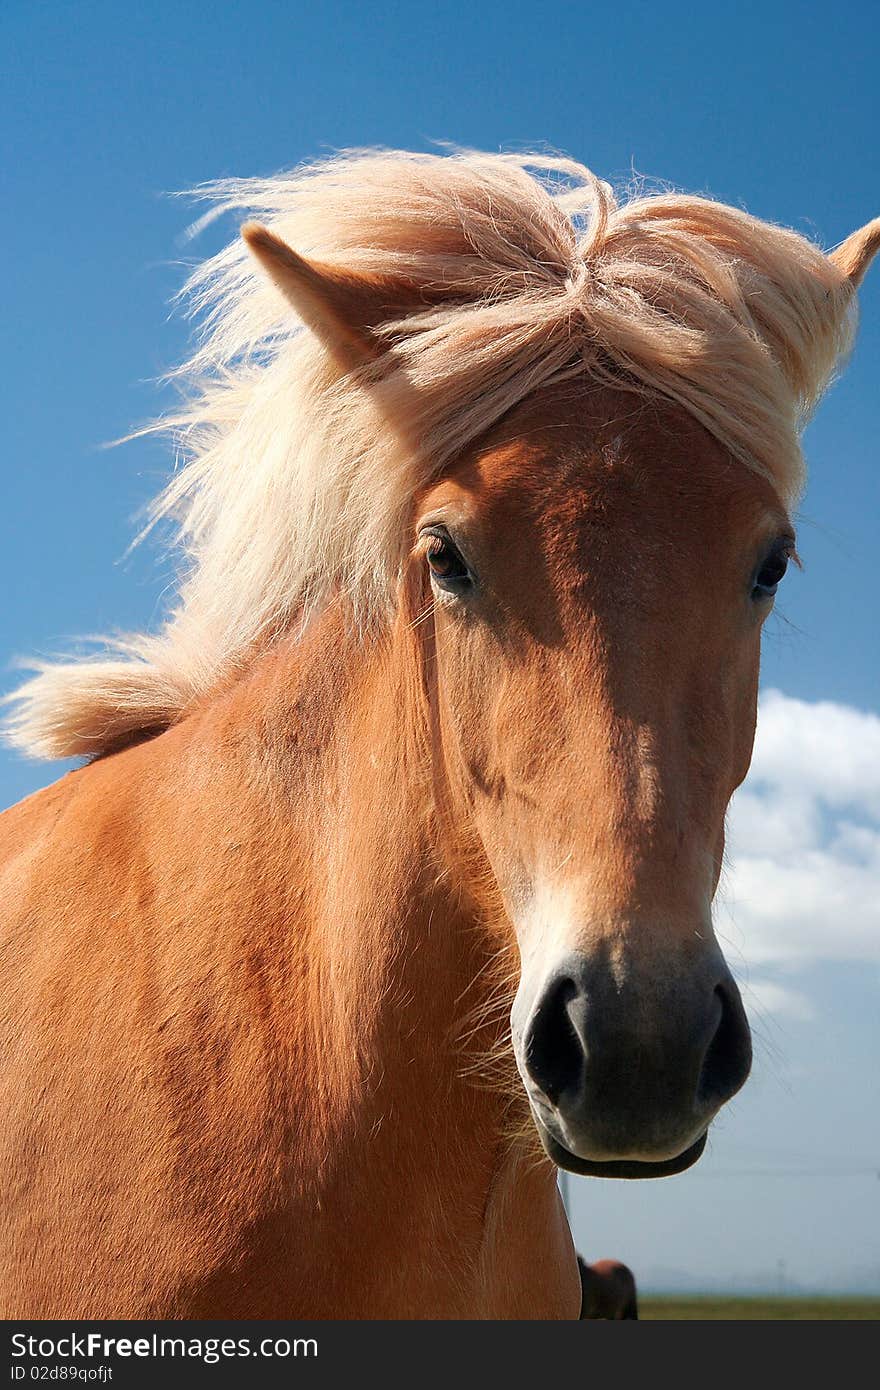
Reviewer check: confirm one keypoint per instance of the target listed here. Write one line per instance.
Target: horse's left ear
(854, 255)
(341, 307)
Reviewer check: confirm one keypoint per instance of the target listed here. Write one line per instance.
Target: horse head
(598, 567)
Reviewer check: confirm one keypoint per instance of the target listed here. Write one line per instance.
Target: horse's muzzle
(625, 1068)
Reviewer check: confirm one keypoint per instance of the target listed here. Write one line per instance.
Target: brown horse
(485, 506)
(608, 1291)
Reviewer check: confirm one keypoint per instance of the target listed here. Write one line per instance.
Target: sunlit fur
(529, 273)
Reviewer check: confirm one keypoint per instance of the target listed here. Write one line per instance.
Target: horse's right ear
(339, 306)
(854, 255)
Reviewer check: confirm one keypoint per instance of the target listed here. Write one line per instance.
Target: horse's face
(601, 572)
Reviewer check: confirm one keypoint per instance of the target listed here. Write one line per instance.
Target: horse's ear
(341, 307)
(854, 255)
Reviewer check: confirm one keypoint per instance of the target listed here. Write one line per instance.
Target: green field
(760, 1309)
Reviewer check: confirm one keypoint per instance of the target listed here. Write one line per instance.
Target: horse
(383, 886)
(608, 1291)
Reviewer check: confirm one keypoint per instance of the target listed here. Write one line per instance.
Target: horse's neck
(345, 755)
(395, 977)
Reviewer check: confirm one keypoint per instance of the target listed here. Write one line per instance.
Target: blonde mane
(298, 482)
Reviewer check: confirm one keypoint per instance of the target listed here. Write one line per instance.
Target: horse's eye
(771, 571)
(448, 569)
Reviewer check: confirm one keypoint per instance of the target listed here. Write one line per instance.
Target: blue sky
(107, 108)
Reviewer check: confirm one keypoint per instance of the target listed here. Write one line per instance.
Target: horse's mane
(298, 482)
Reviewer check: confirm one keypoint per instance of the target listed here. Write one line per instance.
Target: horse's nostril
(553, 1050)
(621, 1065)
(728, 1057)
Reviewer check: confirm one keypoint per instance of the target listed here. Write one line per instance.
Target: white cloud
(803, 877)
(822, 749)
(765, 999)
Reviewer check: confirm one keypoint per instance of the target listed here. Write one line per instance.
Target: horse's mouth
(619, 1168)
